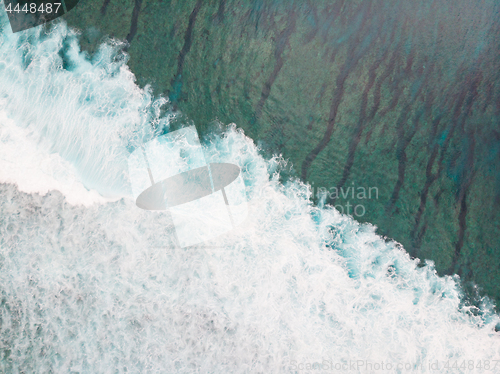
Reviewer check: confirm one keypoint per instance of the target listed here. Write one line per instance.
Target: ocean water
(90, 283)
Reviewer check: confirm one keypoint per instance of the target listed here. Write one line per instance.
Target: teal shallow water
(90, 283)
(401, 97)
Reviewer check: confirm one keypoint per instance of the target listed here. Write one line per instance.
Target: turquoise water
(92, 284)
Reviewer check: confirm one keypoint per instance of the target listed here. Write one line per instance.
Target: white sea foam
(105, 289)
(89, 111)
(33, 169)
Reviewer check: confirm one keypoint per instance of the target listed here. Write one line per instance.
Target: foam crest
(89, 111)
(104, 287)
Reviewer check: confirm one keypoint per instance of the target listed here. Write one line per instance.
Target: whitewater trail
(92, 284)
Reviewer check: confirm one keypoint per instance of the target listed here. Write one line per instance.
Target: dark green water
(396, 101)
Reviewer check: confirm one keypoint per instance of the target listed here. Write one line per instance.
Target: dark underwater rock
(400, 97)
